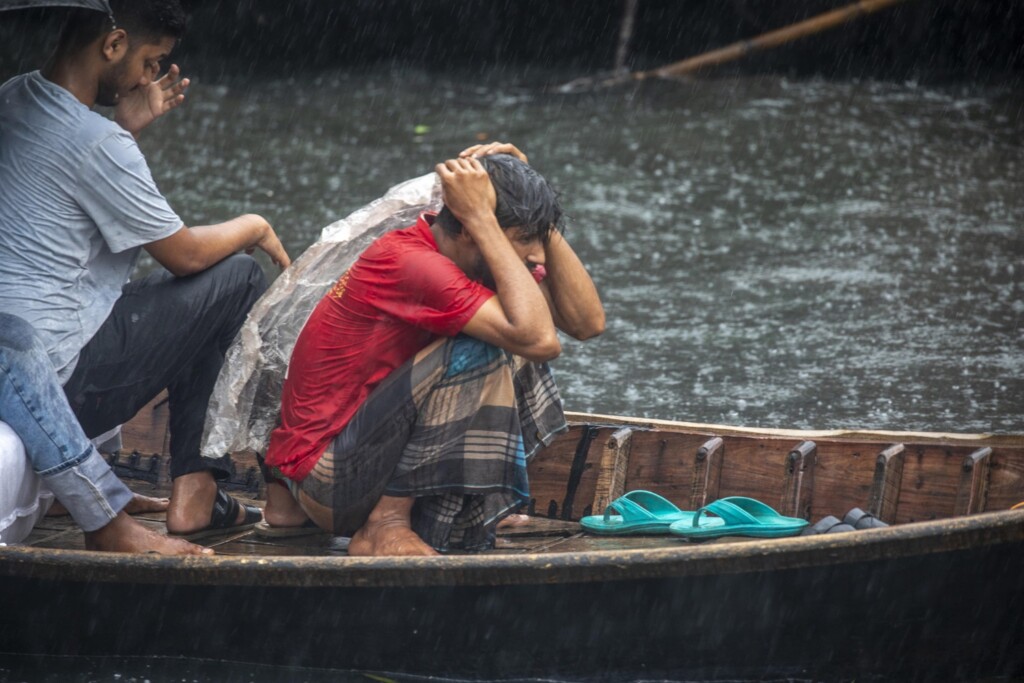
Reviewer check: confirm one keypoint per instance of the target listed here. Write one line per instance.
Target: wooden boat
(936, 596)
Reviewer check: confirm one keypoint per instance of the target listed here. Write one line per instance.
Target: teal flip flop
(737, 516)
(640, 512)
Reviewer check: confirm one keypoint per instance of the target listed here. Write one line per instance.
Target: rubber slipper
(222, 518)
(737, 516)
(308, 528)
(640, 512)
(822, 526)
(858, 519)
(827, 525)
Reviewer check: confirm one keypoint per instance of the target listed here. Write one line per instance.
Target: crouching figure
(419, 387)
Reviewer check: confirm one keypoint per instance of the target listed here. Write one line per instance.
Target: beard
(109, 91)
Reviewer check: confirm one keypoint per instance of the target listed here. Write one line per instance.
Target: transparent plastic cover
(246, 401)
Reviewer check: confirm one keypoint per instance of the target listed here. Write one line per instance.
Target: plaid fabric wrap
(454, 427)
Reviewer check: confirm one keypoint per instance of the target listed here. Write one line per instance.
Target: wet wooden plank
(972, 494)
(754, 467)
(611, 476)
(798, 481)
(563, 476)
(707, 473)
(886, 484)
(663, 462)
(842, 478)
(931, 477)
(1006, 479)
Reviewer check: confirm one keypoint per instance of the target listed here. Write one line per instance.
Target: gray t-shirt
(77, 201)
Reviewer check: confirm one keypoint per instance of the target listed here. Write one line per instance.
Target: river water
(771, 253)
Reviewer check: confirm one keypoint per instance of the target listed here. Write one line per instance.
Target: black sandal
(222, 518)
(826, 525)
(859, 519)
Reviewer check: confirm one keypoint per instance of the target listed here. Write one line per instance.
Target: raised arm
(571, 294)
(517, 319)
(193, 250)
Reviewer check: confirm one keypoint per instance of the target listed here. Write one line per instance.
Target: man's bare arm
(193, 250)
(570, 292)
(517, 319)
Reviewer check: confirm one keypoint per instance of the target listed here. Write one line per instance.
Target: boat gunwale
(907, 540)
(1000, 440)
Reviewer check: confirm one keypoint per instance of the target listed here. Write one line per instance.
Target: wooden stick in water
(734, 51)
(768, 40)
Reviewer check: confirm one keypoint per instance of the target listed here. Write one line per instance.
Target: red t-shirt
(400, 295)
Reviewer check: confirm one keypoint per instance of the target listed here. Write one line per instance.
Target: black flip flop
(222, 518)
(826, 525)
(859, 519)
(308, 528)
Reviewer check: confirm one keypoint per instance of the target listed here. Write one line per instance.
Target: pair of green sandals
(644, 512)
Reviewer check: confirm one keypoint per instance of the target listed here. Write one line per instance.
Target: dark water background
(774, 253)
(778, 253)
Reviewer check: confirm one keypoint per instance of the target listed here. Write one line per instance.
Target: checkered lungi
(454, 427)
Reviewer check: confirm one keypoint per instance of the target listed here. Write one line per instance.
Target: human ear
(115, 45)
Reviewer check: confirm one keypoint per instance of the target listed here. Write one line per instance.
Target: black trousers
(171, 333)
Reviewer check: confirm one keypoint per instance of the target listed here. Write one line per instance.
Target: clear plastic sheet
(246, 401)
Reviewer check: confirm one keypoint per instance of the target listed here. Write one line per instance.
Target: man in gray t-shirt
(77, 203)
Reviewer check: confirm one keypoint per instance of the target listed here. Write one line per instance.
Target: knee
(16, 334)
(243, 276)
(245, 267)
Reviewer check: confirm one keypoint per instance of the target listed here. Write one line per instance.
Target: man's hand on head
(494, 148)
(146, 103)
(467, 191)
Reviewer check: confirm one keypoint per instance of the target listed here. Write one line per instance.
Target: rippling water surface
(770, 253)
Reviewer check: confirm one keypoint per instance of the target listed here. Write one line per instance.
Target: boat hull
(932, 601)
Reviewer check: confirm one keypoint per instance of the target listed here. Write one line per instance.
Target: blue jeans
(33, 404)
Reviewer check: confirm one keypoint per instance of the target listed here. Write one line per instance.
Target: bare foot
(513, 521)
(388, 531)
(140, 504)
(282, 509)
(125, 535)
(192, 503)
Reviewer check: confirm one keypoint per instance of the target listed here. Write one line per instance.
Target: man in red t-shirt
(419, 386)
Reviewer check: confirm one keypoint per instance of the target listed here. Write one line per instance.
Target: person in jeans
(78, 204)
(44, 454)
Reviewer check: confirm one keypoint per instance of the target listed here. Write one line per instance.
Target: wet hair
(524, 199)
(144, 20)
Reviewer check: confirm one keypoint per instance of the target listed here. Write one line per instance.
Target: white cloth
(23, 498)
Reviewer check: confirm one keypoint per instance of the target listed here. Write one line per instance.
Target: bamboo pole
(736, 50)
(625, 34)
(768, 40)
